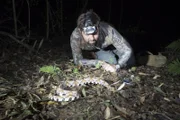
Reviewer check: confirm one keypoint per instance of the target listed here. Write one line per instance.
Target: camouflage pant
(111, 57)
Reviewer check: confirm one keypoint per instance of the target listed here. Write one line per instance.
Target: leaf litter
(148, 93)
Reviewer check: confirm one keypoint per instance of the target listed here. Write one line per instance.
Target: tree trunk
(47, 19)
(15, 19)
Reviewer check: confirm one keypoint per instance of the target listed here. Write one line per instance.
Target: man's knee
(107, 56)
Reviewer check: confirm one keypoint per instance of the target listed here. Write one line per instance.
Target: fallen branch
(16, 40)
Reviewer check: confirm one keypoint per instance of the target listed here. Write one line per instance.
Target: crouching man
(111, 49)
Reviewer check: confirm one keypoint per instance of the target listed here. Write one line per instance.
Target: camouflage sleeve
(76, 50)
(77, 53)
(123, 49)
(90, 63)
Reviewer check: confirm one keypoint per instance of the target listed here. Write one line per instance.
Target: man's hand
(108, 67)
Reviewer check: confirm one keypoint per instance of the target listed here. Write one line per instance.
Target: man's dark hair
(89, 18)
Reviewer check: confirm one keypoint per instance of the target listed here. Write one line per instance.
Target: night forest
(39, 81)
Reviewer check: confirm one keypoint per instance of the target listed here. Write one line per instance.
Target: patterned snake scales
(60, 94)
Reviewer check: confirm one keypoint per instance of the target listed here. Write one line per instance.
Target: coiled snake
(60, 94)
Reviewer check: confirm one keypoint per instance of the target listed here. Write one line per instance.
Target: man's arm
(123, 49)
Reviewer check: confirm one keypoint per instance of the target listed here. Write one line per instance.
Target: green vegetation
(50, 69)
(174, 65)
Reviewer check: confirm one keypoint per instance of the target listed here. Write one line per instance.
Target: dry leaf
(156, 76)
(142, 99)
(107, 113)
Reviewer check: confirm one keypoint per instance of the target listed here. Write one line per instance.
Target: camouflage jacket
(107, 36)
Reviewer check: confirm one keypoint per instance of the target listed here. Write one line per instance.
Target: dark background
(147, 24)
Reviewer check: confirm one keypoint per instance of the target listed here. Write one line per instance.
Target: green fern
(174, 45)
(75, 70)
(174, 67)
(50, 69)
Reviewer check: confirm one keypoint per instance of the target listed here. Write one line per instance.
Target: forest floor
(151, 93)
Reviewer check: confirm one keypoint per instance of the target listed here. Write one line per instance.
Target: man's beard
(92, 42)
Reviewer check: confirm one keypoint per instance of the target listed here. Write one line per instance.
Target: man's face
(91, 38)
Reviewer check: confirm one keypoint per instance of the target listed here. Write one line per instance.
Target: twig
(84, 6)
(61, 17)
(109, 14)
(121, 14)
(29, 18)
(16, 40)
(15, 19)
(163, 115)
(47, 19)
